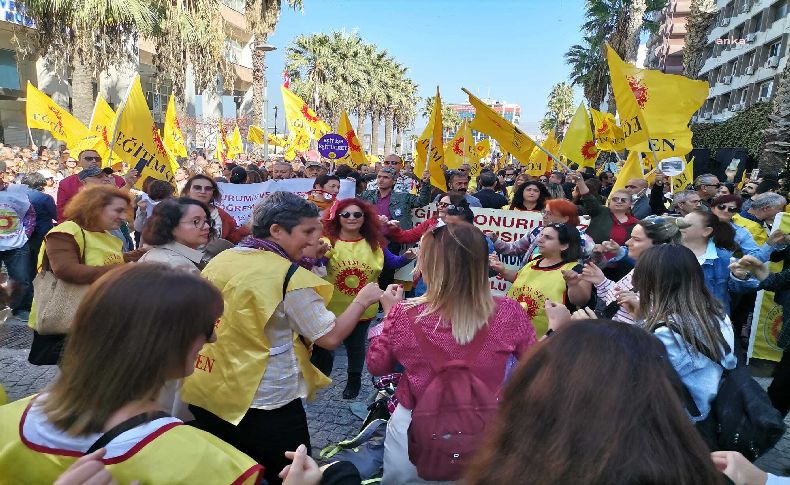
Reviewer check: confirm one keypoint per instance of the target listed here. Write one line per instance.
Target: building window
(766, 89)
(754, 26)
(744, 95)
(774, 48)
(779, 10)
(9, 75)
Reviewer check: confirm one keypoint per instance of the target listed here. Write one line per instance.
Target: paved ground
(329, 416)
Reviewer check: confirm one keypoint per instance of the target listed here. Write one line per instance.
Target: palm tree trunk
(701, 15)
(360, 124)
(388, 133)
(258, 79)
(375, 119)
(776, 147)
(399, 141)
(81, 91)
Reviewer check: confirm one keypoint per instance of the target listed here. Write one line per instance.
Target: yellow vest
(176, 453)
(102, 249)
(534, 285)
(756, 229)
(229, 371)
(352, 265)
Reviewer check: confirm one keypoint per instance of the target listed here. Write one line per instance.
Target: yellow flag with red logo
(461, 149)
(630, 95)
(173, 137)
(483, 149)
(509, 136)
(608, 136)
(300, 116)
(430, 151)
(355, 155)
(578, 145)
(235, 144)
(539, 161)
(685, 179)
(102, 118)
(137, 137)
(42, 113)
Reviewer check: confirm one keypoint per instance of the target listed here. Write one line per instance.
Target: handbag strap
(123, 427)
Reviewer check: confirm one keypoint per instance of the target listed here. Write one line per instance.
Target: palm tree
(776, 146)
(262, 17)
(560, 108)
(589, 70)
(406, 108)
(89, 37)
(701, 15)
(451, 120)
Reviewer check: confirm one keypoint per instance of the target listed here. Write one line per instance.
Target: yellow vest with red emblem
(535, 285)
(173, 454)
(97, 248)
(352, 265)
(229, 371)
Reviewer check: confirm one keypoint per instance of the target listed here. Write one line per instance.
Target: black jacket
(490, 199)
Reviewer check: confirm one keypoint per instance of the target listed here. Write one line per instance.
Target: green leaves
(742, 130)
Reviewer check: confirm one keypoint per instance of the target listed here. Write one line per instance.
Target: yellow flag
(44, 114)
(632, 169)
(430, 149)
(255, 135)
(668, 101)
(630, 95)
(578, 145)
(102, 118)
(608, 136)
(300, 116)
(509, 136)
(684, 179)
(539, 161)
(235, 145)
(173, 138)
(483, 149)
(137, 137)
(461, 149)
(221, 147)
(355, 156)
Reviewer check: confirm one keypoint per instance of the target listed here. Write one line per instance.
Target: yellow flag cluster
(578, 145)
(539, 162)
(173, 137)
(608, 136)
(430, 152)
(461, 149)
(355, 156)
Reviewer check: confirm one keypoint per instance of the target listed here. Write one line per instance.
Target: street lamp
(265, 48)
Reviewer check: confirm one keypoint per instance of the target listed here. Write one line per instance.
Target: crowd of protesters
(193, 341)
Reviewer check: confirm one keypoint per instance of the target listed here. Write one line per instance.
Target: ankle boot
(353, 384)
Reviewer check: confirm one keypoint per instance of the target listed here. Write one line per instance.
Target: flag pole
(555, 157)
(117, 117)
(30, 134)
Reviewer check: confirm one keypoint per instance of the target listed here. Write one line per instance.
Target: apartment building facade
(665, 48)
(746, 54)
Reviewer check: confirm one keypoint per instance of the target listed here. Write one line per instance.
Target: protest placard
(238, 200)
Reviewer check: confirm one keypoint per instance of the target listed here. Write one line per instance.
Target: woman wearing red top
(457, 304)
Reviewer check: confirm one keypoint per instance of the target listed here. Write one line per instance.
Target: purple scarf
(266, 245)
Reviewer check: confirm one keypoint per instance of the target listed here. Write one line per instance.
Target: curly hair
(518, 195)
(371, 228)
(160, 189)
(166, 216)
(87, 205)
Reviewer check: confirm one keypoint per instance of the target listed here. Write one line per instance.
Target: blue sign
(14, 12)
(332, 146)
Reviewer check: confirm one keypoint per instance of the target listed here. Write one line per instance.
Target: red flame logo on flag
(350, 137)
(457, 146)
(308, 114)
(160, 147)
(58, 116)
(588, 150)
(603, 128)
(639, 90)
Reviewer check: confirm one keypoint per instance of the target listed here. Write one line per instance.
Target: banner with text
(508, 225)
(238, 200)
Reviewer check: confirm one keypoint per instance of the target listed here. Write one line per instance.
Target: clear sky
(509, 50)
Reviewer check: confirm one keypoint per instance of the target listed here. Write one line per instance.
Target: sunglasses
(731, 210)
(619, 199)
(457, 209)
(391, 163)
(712, 185)
(201, 188)
(442, 204)
(92, 159)
(355, 215)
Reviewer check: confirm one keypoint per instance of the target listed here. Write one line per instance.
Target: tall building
(746, 53)
(114, 83)
(509, 111)
(665, 48)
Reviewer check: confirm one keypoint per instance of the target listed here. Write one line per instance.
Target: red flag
(286, 79)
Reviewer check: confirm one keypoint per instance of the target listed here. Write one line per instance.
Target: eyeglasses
(391, 162)
(53, 164)
(463, 170)
(355, 215)
(202, 188)
(711, 185)
(198, 222)
(730, 209)
(443, 205)
(92, 159)
(619, 199)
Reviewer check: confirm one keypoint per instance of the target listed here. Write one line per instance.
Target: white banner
(238, 200)
(508, 225)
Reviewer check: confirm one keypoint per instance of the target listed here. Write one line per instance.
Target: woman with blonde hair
(456, 311)
(126, 342)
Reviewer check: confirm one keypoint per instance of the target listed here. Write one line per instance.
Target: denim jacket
(699, 373)
(716, 269)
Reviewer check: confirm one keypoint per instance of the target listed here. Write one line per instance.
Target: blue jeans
(17, 263)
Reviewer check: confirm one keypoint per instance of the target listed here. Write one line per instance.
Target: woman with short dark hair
(595, 404)
(175, 230)
(206, 190)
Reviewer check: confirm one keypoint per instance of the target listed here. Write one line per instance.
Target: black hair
(518, 195)
(568, 234)
(166, 216)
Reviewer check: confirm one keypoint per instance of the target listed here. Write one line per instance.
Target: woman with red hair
(357, 255)
(556, 211)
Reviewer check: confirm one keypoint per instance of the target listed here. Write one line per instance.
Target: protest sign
(332, 146)
(508, 225)
(767, 317)
(238, 200)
